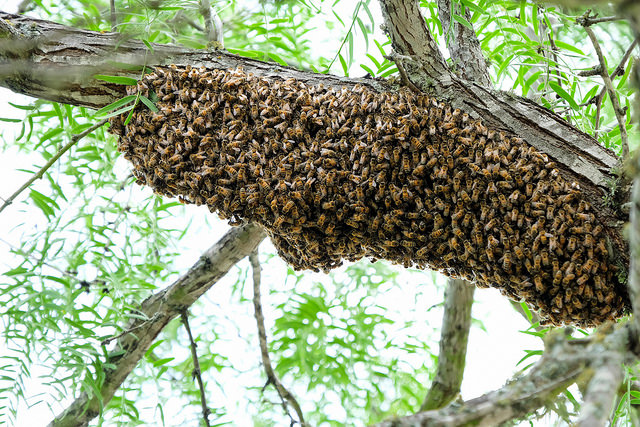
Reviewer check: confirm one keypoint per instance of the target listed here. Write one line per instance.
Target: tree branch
(410, 38)
(464, 45)
(621, 115)
(579, 159)
(602, 391)
(163, 306)
(74, 140)
(197, 373)
(618, 71)
(458, 299)
(563, 362)
(634, 247)
(55, 62)
(272, 378)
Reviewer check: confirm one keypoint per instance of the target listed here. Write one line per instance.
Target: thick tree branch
(463, 45)
(161, 308)
(634, 246)
(602, 391)
(57, 50)
(563, 362)
(55, 62)
(458, 299)
(410, 38)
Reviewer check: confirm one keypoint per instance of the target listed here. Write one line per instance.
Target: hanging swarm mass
(337, 174)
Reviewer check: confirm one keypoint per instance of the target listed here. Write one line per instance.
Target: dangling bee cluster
(336, 174)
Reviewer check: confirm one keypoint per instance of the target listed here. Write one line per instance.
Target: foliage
(91, 245)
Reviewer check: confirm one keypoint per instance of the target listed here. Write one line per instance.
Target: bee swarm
(337, 174)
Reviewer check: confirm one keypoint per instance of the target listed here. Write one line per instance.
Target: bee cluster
(337, 174)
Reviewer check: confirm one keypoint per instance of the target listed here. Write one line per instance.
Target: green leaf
(146, 101)
(119, 80)
(22, 107)
(120, 102)
(345, 67)
(46, 204)
(461, 20)
(277, 58)
(563, 94)
(569, 47)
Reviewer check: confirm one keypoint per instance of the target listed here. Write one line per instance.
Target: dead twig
(272, 378)
(197, 374)
(619, 112)
(112, 17)
(596, 71)
(588, 20)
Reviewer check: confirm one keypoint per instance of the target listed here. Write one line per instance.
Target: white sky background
(492, 355)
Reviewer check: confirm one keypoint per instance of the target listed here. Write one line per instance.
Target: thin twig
(619, 112)
(112, 4)
(40, 173)
(196, 369)
(272, 378)
(618, 71)
(130, 330)
(587, 20)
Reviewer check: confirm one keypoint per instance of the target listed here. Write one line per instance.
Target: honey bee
(279, 222)
(437, 233)
(454, 244)
(602, 247)
(558, 301)
(225, 192)
(506, 261)
(448, 257)
(491, 224)
(331, 205)
(274, 206)
(478, 238)
(588, 241)
(537, 281)
(288, 206)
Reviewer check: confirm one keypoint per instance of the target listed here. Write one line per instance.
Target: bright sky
(492, 356)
